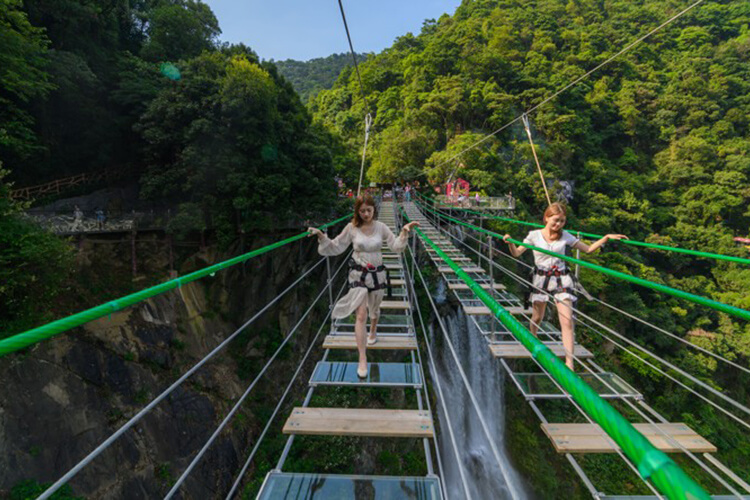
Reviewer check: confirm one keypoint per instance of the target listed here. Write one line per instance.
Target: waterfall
(486, 377)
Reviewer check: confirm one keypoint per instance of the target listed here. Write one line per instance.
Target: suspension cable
(130, 423)
(713, 304)
(655, 246)
(503, 469)
(527, 126)
(237, 405)
(368, 124)
(670, 439)
(438, 385)
(258, 442)
(354, 58)
(575, 404)
(625, 313)
(673, 367)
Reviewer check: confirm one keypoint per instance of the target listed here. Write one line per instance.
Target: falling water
(483, 474)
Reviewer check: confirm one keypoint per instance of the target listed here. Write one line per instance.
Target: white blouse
(544, 261)
(367, 247)
(367, 250)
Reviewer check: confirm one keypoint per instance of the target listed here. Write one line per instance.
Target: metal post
(328, 281)
(578, 256)
(492, 279)
(425, 441)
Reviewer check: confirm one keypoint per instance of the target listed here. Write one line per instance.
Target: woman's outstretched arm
(331, 247)
(398, 244)
(583, 247)
(515, 251)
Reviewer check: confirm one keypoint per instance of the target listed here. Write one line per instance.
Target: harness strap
(548, 274)
(362, 283)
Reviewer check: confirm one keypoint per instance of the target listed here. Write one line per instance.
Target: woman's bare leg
(373, 328)
(360, 332)
(537, 315)
(565, 312)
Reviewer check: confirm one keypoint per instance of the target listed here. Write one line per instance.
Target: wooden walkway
(396, 332)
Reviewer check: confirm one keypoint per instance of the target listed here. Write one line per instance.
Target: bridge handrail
(698, 299)
(25, 339)
(650, 462)
(697, 253)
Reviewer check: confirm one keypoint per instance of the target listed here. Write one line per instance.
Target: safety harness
(371, 269)
(553, 273)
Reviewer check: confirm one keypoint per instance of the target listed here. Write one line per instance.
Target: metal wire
(130, 423)
(667, 437)
(239, 402)
(258, 442)
(441, 397)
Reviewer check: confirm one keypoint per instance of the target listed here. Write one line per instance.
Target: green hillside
(310, 77)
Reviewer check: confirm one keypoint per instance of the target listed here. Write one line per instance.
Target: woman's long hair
(365, 199)
(555, 209)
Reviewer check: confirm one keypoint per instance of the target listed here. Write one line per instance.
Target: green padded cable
(16, 342)
(650, 462)
(719, 306)
(697, 253)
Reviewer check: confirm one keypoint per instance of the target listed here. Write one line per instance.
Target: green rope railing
(697, 253)
(719, 306)
(650, 462)
(25, 339)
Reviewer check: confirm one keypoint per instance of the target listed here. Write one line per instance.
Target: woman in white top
(552, 276)
(367, 276)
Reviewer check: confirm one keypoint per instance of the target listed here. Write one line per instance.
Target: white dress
(367, 250)
(547, 262)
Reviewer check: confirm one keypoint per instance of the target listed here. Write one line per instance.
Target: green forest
(310, 77)
(656, 145)
(144, 86)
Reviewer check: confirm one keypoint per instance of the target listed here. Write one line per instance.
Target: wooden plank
(349, 342)
(590, 438)
(485, 311)
(398, 283)
(394, 266)
(454, 259)
(467, 269)
(516, 350)
(395, 304)
(464, 286)
(359, 422)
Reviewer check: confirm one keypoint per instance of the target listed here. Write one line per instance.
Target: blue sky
(305, 29)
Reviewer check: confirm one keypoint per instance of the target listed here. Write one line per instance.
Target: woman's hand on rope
(407, 228)
(315, 231)
(506, 238)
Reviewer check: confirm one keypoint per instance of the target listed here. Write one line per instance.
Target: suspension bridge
(606, 414)
(472, 267)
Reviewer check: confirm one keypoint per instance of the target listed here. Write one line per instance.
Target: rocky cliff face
(61, 398)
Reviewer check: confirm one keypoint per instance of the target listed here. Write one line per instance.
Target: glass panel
(540, 384)
(289, 486)
(384, 320)
(340, 373)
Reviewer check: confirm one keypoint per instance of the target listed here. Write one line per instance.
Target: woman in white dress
(367, 276)
(552, 276)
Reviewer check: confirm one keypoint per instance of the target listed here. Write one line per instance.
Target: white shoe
(362, 373)
(372, 341)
